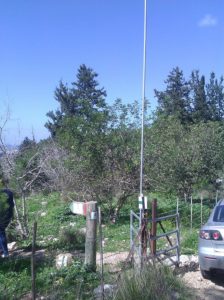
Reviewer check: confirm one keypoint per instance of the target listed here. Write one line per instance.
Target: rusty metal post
(144, 233)
(153, 227)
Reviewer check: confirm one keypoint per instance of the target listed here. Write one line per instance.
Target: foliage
(82, 110)
(181, 158)
(175, 100)
(191, 100)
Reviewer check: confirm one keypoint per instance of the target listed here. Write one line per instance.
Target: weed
(151, 283)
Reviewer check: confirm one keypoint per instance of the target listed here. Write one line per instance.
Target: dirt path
(205, 289)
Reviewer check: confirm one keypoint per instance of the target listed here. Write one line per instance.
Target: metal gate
(150, 240)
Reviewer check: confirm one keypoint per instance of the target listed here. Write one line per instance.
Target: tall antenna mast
(143, 99)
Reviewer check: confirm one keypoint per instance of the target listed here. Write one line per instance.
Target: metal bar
(163, 218)
(131, 229)
(201, 209)
(178, 238)
(166, 250)
(135, 215)
(163, 235)
(191, 212)
(33, 261)
(101, 253)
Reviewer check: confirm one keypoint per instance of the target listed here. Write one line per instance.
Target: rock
(43, 214)
(109, 291)
(64, 260)
(12, 246)
(82, 230)
(44, 203)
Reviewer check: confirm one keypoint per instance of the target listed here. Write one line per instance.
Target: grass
(152, 283)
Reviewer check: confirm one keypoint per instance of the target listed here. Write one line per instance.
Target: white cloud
(208, 21)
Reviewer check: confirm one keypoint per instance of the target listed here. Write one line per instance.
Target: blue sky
(45, 41)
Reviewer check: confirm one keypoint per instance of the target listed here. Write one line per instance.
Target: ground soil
(212, 289)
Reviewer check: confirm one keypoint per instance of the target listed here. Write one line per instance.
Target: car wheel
(206, 274)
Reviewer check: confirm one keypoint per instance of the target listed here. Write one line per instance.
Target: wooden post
(90, 244)
(153, 228)
(33, 274)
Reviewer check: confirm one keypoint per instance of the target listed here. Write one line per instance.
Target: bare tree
(24, 178)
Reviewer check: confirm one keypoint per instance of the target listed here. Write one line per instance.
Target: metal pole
(101, 253)
(201, 209)
(33, 271)
(143, 97)
(191, 213)
(177, 208)
(178, 237)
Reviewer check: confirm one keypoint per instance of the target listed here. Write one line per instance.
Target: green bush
(152, 283)
(71, 238)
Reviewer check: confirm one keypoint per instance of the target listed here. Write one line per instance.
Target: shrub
(71, 238)
(152, 283)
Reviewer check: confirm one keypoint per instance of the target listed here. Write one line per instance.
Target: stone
(12, 246)
(82, 230)
(109, 291)
(64, 260)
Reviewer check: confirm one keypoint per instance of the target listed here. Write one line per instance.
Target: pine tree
(215, 94)
(84, 101)
(199, 99)
(174, 101)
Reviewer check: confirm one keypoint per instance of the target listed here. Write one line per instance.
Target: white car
(211, 242)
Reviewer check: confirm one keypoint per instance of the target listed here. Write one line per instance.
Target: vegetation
(93, 154)
(151, 283)
(58, 231)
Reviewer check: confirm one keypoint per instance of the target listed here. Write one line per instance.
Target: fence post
(178, 237)
(101, 253)
(90, 244)
(33, 273)
(201, 209)
(153, 228)
(191, 212)
(177, 208)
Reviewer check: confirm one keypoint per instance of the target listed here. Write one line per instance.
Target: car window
(219, 214)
